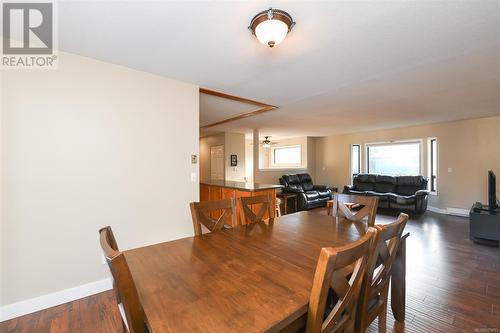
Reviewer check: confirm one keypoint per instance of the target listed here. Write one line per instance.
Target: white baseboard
(436, 210)
(18, 309)
(449, 211)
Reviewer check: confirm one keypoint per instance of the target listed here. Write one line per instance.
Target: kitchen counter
(220, 190)
(241, 186)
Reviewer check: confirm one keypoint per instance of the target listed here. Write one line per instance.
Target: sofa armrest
(421, 193)
(320, 187)
(348, 188)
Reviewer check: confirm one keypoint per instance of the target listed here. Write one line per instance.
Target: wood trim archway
(263, 107)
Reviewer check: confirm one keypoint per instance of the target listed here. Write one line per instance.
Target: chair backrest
(340, 270)
(247, 214)
(368, 210)
(200, 213)
(123, 282)
(378, 271)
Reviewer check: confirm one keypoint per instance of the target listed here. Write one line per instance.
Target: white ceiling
(347, 65)
(214, 109)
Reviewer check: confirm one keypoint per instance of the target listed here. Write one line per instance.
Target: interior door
(217, 162)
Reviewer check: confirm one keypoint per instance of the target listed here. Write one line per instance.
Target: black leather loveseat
(407, 193)
(309, 195)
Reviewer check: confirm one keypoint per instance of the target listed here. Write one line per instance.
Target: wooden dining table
(254, 278)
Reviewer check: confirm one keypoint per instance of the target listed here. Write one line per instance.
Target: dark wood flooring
(453, 285)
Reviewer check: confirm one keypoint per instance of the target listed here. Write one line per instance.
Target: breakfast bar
(223, 189)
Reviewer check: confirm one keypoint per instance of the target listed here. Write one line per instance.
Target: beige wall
(235, 145)
(270, 176)
(469, 148)
(87, 145)
(249, 160)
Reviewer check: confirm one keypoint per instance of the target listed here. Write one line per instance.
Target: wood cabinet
(214, 192)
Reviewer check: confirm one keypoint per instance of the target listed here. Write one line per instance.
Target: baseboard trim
(449, 211)
(18, 309)
(436, 210)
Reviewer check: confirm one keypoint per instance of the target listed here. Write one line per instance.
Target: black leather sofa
(406, 193)
(309, 195)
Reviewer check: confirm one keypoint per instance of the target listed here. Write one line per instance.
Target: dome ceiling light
(271, 26)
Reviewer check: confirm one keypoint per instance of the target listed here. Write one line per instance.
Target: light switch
(450, 169)
(193, 177)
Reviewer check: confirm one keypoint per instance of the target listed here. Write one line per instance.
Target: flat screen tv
(492, 190)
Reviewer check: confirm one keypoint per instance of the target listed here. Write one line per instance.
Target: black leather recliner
(309, 195)
(407, 193)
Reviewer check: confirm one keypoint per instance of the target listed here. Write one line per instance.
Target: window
(395, 159)
(289, 156)
(433, 168)
(355, 159)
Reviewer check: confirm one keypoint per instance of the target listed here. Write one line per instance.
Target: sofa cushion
(364, 182)
(324, 193)
(408, 185)
(305, 181)
(363, 193)
(312, 195)
(385, 184)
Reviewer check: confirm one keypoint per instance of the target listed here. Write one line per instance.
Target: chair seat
(326, 193)
(312, 195)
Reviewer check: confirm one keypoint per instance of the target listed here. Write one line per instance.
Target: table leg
(285, 199)
(398, 286)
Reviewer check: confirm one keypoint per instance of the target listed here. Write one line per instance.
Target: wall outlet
(193, 177)
(450, 169)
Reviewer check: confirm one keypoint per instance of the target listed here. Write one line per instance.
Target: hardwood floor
(453, 285)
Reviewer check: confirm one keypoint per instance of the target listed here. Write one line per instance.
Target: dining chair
(131, 311)
(200, 213)
(373, 300)
(247, 214)
(339, 275)
(343, 205)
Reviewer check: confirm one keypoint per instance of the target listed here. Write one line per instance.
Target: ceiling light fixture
(266, 143)
(271, 26)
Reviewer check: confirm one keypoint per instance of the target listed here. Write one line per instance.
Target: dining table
(251, 278)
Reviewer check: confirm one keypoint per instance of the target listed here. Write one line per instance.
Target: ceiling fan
(266, 143)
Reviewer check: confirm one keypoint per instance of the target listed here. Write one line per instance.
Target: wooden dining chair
(374, 292)
(131, 311)
(339, 273)
(200, 213)
(247, 214)
(342, 203)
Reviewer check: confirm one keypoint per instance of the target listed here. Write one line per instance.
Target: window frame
(351, 173)
(433, 189)
(393, 143)
(275, 165)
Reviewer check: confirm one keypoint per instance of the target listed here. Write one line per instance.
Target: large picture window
(289, 156)
(396, 159)
(355, 159)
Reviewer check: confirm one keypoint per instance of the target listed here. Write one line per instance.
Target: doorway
(217, 162)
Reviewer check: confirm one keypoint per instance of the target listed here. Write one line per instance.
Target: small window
(287, 156)
(355, 160)
(433, 164)
(395, 159)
